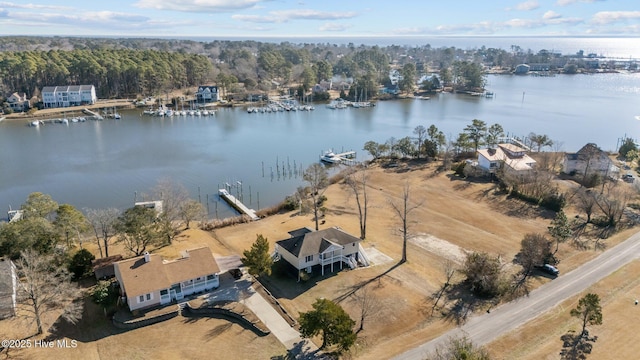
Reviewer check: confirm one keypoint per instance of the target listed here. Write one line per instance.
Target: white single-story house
(148, 281)
(590, 159)
(513, 158)
(18, 102)
(65, 96)
(307, 248)
(8, 288)
(207, 94)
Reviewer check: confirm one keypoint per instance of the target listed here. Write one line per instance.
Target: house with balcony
(207, 94)
(65, 96)
(149, 281)
(327, 249)
(510, 157)
(18, 102)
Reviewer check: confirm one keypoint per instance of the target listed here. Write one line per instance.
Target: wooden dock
(237, 204)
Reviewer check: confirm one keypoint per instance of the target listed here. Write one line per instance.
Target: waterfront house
(522, 69)
(394, 76)
(512, 158)
(589, 160)
(8, 288)
(207, 94)
(149, 281)
(65, 96)
(18, 102)
(331, 247)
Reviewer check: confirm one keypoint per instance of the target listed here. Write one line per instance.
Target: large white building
(65, 96)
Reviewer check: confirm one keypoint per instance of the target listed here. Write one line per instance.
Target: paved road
(482, 329)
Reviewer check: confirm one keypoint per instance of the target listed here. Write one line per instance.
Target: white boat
(205, 112)
(34, 123)
(168, 112)
(160, 112)
(198, 113)
(117, 116)
(191, 113)
(330, 157)
(65, 121)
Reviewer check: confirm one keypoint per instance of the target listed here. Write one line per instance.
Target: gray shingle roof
(315, 242)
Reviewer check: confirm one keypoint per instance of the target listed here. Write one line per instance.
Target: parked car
(628, 178)
(550, 269)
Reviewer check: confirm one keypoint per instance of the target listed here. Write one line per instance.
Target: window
(148, 297)
(164, 292)
(308, 258)
(141, 298)
(211, 277)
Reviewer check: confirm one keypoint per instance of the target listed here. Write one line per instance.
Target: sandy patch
(440, 247)
(377, 257)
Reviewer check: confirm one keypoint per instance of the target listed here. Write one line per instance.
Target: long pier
(237, 204)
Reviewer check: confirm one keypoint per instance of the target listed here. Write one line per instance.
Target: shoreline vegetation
(170, 70)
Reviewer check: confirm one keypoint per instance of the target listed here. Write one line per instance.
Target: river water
(111, 163)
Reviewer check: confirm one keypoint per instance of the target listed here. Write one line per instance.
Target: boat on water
(330, 157)
(35, 123)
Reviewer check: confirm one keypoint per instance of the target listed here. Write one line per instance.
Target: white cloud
(198, 5)
(282, 16)
(551, 15)
(569, 2)
(528, 5)
(608, 17)
(4, 4)
(332, 26)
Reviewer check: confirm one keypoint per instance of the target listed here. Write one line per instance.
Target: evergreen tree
(332, 321)
(258, 259)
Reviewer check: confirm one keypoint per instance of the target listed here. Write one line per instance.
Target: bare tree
(535, 250)
(359, 188)
(586, 201)
(449, 270)
(368, 303)
(192, 210)
(46, 287)
(137, 228)
(420, 132)
(613, 200)
(103, 223)
(403, 211)
(316, 176)
(173, 196)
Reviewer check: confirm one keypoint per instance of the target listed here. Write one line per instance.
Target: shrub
(459, 168)
(80, 264)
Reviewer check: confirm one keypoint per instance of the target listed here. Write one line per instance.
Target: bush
(459, 168)
(555, 202)
(80, 264)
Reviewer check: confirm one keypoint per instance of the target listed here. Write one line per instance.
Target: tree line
(129, 67)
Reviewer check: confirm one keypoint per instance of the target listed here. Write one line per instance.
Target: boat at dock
(330, 157)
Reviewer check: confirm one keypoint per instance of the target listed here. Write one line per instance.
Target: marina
(101, 164)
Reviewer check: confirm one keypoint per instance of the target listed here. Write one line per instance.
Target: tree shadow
(350, 290)
(464, 303)
(94, 325)
(301, 351)
(576, 346)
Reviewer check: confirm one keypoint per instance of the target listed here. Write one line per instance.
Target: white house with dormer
(148, 281)
(207, 94)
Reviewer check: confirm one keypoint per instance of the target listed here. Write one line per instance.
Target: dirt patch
(441, 248)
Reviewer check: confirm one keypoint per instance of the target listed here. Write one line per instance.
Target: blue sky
(321, 18)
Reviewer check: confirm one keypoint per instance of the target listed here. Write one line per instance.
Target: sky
(320, 18)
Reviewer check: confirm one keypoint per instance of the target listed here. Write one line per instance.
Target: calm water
(109, 163)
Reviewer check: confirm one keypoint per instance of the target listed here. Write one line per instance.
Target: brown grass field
(453, 214)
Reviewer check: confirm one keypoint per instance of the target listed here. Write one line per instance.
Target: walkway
(482, 329)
